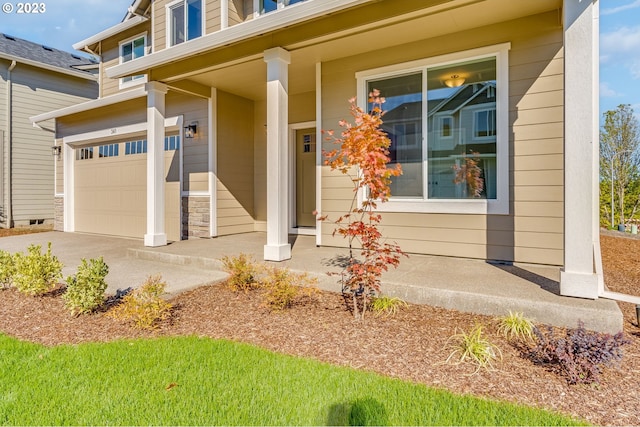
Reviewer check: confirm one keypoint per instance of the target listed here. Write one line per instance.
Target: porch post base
(580, 285)
(154, 240)
(277, 252)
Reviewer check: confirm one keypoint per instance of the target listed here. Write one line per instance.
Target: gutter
(70, 72)
(291, 15)
(7, 156)
(111, 31)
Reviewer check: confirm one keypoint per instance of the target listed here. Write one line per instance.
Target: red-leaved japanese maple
(362, 153)
(470, 174)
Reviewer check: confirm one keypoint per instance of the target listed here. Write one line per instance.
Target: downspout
(8, 146)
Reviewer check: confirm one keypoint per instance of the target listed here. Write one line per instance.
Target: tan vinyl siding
(532, 232)
(111, 56)
(125, 113)
(36, 91)
(248, 9)
(212, 17)
(4, 137)
(159, 12)
(238, 10)
(59, 170)
(235, 164)
(260, 162)
(195, 161)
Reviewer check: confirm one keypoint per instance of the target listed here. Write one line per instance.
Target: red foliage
(363, 153)
(471, 174)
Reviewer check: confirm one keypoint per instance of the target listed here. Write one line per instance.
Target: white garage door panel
(110, 196)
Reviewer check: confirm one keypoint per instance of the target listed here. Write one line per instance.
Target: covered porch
(467, 285)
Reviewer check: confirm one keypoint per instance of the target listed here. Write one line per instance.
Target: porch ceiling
(245, 75)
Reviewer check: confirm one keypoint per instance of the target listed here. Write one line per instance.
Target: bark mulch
(413, 345)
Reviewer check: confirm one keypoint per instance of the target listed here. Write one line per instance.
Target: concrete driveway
(124, 271)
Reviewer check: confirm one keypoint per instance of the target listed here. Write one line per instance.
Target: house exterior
(210, 115)
(33, 80)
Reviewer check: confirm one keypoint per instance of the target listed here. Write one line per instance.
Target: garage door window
(110, 150)
(84, 153)
(135, 147)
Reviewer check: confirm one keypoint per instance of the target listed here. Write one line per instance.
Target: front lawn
(200, 381)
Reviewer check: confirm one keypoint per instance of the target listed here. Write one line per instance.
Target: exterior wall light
(56, 150)
(191, 130)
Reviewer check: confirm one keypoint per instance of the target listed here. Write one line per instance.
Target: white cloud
(607, 92)
(622, 8)
(623, 40)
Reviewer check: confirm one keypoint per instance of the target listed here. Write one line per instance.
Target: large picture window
(447, 119)
(184, 21)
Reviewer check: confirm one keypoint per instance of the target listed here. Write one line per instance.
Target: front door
(305, 177)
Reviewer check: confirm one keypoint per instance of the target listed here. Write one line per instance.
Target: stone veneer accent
(195, 217)
(58, 213)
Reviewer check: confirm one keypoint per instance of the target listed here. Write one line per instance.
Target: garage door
(111, 189)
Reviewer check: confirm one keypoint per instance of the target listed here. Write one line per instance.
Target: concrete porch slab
(462, 284)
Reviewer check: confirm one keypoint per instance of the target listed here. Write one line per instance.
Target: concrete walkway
(463, 284)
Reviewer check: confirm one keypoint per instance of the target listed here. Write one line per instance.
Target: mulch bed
(413, 345)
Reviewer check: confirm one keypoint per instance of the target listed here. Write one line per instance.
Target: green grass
(220, 383)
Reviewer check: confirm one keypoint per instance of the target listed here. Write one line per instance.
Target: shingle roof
(48, 56)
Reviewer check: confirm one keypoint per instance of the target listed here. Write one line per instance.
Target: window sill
(478, 207)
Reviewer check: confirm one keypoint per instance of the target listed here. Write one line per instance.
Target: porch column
(277, 247)
(156, 235)
(68, 215)
(579, 277)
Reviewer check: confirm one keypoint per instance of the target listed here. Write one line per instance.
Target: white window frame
(479, 109)
(140, 78)
(170, 6)
(497, 206)
(439, 119)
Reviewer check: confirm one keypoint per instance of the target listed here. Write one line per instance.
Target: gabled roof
(37, 55)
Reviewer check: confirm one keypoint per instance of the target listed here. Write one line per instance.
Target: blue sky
(66, 22)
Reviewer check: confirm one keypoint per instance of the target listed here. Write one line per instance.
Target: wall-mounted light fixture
(56, 150)
(454, 81)
(191, 130)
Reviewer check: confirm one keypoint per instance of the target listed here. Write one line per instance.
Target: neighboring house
(33, 80)
(210, 113)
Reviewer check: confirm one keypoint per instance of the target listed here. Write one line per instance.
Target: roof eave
(109, 32)
(71, 72)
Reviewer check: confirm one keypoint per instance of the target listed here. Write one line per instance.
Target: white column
(277, 247)
(69, 166)
(579, 277)
(156, 235)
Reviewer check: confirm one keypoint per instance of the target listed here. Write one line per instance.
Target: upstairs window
(266, 6)
(129, 50)
(184, 21)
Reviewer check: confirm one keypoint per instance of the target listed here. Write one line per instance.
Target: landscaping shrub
(144, 306)
(282, 288)
(36, 273)
(578, 354)
(387, 306)
(474, 347)
(516, 327)
(7, 269)
(244, 272)
(85, 290)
